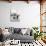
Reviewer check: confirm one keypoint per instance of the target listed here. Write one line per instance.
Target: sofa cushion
(23, 31)
(22, 38)
(17, 30)
(11, 30)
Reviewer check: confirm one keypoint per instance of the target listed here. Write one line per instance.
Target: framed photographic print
(14, 17)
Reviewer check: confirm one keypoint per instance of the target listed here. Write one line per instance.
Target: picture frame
(14, 17)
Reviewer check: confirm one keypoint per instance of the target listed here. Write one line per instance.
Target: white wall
(29, 14)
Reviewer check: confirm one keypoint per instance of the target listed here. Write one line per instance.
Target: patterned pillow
(17, 30)
(11, 30)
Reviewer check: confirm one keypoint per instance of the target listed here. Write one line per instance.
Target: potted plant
(37, 33)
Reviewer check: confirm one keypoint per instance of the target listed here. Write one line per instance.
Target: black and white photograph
(14, 17)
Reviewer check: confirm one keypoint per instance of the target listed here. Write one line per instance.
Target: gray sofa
(17, 35)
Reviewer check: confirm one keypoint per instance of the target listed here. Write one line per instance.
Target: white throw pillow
(23, 31)
(5, 32)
